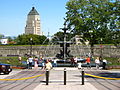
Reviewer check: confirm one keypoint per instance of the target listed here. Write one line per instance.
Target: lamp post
(101, 55)
(91, 43)
(30, 46)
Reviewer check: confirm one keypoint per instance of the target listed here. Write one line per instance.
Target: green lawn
(112, 61)
(12, 60)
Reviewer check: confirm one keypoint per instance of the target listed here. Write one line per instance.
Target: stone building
(33, 23)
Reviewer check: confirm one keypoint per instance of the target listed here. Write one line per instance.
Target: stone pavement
(56, 81)
(10, 74)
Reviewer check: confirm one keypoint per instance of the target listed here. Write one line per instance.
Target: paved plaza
(56, 80)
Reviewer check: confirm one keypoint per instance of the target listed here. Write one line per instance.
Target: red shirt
(88, 60)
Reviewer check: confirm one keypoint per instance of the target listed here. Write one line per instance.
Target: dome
(33, 12)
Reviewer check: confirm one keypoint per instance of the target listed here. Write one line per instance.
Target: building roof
(33, 12)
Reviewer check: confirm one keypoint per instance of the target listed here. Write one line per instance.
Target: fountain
(64, 53)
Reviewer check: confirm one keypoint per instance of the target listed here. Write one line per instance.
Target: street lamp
(101, 49)
(30, 46)
(91, 43)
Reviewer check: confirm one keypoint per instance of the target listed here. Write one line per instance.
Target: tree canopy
(59, 36)
(28, 39)
(1, 36)
(94, 19)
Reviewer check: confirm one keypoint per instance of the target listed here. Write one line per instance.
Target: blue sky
(13, 15)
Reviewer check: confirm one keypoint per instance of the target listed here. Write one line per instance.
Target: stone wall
(51, 51)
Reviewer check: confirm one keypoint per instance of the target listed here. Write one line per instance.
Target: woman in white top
(35, 62)
(48, 65)
(97, 62)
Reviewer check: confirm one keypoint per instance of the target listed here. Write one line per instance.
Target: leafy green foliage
(59, 36)
(12, 60)
(26, 39)
(102, 17)
(1, 36)
(116, 38)
(112, 61)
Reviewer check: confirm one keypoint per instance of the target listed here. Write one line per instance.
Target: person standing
(48, 65)
(97, 62)
(42, 63)
(30, 60)
(79, 65)
(55, 62)
(88, 62)
(104, 63)
(72, 61)
(19, 59)
(27, 64)
(75, 61)
(35, 63)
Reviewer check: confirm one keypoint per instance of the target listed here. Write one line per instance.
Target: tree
(11, 40)
(1, 36)
(93, 19)
(59, 36)
(116, 38)
(26, 39)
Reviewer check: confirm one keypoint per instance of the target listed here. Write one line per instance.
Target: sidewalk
(56, 81)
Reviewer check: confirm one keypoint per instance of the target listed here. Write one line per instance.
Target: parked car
(5, 68)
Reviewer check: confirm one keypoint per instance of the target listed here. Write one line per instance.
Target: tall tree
(93, 19)
(1, 36)
(59, 36)
(26, 39)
